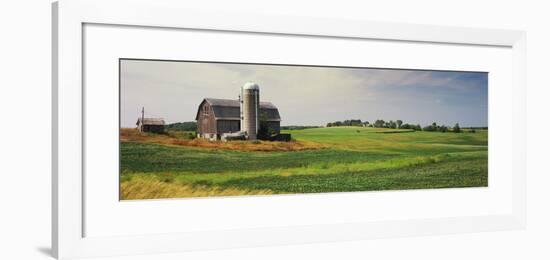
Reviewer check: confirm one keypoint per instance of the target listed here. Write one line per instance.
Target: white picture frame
(69, 17)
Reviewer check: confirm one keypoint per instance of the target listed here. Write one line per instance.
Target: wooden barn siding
(206, 124)
(228, 126)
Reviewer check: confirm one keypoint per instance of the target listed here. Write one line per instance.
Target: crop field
(335, 159)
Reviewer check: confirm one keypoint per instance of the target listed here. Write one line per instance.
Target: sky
(305, 95)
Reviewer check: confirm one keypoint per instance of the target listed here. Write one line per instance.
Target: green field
(351, 159)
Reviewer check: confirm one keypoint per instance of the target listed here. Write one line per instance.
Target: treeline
(351, 122)
(443, 128)
(182, 126)
(399, 124)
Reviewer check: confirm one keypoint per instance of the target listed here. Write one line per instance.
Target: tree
(266, 131)
(392, 124)
(348, 122)
(182, 126)
(431, 128)
(355, 122)
(399, 123)
(379, 123)
(456, 128)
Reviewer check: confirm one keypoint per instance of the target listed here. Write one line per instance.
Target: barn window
(205, 110)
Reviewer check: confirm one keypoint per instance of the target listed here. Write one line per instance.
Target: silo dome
(251, 85)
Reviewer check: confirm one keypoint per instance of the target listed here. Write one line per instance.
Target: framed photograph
(313, 137)
(179, 129)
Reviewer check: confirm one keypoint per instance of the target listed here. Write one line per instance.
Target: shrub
(182, 126)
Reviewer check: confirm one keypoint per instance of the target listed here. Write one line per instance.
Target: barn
(150, 125)
(218, 116)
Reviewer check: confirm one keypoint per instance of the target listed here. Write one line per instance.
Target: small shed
(150, 125)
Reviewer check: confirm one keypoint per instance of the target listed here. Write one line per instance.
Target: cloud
(305, 95)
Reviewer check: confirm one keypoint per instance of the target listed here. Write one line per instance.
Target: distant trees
(406, 126)
(411, 126)
(182, 126)
(456, 128)
(350, 122)
(379, 123)
(353, 122)
(430, 128)
(299, 127)
(399, 123)
(442, 128)
(337, 123)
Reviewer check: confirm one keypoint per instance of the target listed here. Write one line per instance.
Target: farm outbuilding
(216, 117)
(150, 125)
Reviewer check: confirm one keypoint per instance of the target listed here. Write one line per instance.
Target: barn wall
(206, 123)
(228, 126)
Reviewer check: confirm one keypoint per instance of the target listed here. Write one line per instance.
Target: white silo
(250, 106)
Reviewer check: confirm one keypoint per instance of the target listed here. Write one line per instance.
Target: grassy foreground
(334, 159)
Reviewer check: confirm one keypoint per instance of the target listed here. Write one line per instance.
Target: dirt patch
(179, 139)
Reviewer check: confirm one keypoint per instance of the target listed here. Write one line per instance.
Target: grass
(150, 187)
(337, 159)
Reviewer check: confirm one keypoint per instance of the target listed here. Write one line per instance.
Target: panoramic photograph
(208, 129)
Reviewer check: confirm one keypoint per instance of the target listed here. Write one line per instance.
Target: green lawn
(355, 159)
